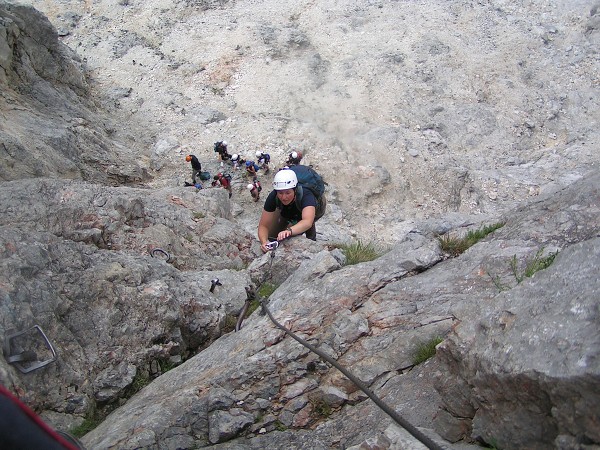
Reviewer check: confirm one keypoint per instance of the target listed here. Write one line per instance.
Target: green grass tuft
(359, 252)
(253, 306)
(279, 426)
(532, 266)
(140, 381)
(166, 365)
(456, 245)
(88, 424)
(426, 350)
(321, 409)
(498, 283)
(266, 290)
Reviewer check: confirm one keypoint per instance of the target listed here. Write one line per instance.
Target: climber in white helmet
(237, 161)
(294, 158)
(263, 159)
(254, 189)
(285, 214)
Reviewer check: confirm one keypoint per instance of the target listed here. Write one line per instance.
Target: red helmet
(188, 158)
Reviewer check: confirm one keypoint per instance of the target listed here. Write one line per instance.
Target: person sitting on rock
(196, 167)
(237, 161)
(224, 181)
(283, 216)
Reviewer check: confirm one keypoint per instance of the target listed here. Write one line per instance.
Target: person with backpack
(251, 168)
(263, 160)
(221, 150)
(292, 208)
(224, 181)
(236, 161)
(196, 167)
(255, 189)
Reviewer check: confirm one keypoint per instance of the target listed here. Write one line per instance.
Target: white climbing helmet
(294, 155)
(235, 157)
(224, 143)
(250, 187)
(258, 153)
(285, 179)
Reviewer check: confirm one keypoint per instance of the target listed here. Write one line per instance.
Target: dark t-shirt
(291, 211)
(196, 164)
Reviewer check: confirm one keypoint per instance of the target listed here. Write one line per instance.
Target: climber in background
(196, 168)
(237, 161)
(263, 160)
(255, 189)
(221, 150)
(251, 168)
(224, 181)
(294, 158)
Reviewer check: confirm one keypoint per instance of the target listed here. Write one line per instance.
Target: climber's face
(286, 196)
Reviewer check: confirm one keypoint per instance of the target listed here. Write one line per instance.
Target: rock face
(118, 276)
(73, 264)
(411, 110)
(51, 127)
(523, 367)
(518, 360)
(524, 373)
(194, 227)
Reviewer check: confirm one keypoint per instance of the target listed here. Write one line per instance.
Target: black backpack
(309, 178)
(219, 147)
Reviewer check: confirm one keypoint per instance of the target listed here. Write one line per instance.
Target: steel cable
(414, 431)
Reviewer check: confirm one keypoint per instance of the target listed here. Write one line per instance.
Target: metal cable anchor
(13, 356)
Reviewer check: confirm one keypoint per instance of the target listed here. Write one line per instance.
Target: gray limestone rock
(527, 364)
(44, 88)
(424, 119)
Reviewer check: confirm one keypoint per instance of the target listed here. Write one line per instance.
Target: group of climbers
(291, 208)
(237, 162)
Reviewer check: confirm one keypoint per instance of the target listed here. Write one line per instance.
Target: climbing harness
(162, 252)
(414, 431)
(26, 360)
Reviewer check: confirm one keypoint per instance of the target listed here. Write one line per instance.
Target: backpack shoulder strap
(299, 195)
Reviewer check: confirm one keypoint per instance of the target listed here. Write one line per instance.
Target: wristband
(290, 230)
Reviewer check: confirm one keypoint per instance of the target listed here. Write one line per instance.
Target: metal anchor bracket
(26, 360)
